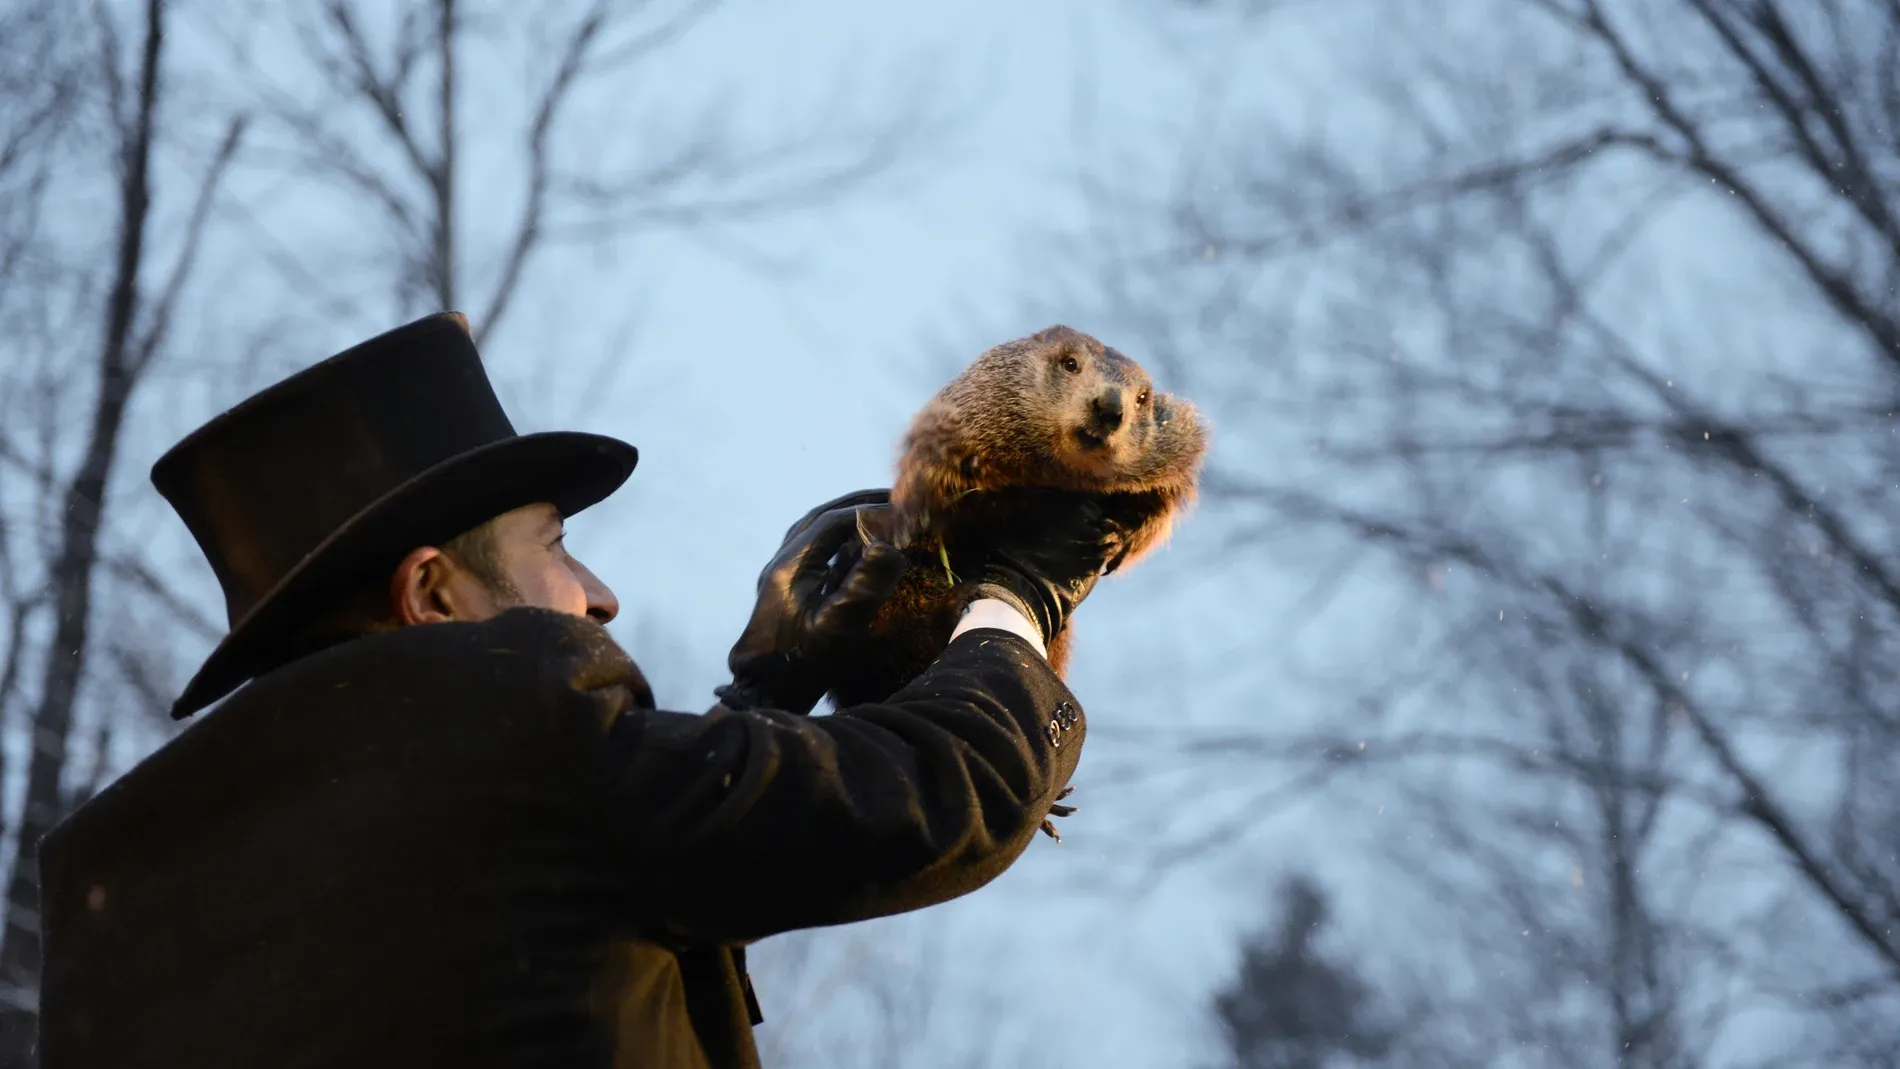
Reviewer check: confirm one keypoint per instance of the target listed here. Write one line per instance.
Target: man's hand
(825, 583)
(1045, 558)
(853, 500)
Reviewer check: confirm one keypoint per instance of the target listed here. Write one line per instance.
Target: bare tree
(1294, 1002)
(38, 87)
(880, 993)
(387, 110)
(121, 304)
(1589, 350)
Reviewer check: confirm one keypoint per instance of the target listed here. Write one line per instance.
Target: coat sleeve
(741, 825)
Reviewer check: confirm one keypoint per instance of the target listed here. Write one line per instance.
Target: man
(443, 825)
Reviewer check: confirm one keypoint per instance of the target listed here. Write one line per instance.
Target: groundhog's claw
(1048, 826)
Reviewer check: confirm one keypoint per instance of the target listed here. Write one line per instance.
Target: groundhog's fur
(1058, 410)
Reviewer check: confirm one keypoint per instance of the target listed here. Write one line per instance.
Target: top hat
(342, 469)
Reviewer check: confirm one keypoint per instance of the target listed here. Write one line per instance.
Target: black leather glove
(823, 584)
(1044, 554)
(852, 500)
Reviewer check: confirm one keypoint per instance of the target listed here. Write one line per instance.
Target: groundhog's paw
(1048, 823)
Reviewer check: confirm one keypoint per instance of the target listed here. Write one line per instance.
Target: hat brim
(571, 470)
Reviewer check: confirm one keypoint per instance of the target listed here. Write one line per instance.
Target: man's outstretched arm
(753, 820)
(743, 824)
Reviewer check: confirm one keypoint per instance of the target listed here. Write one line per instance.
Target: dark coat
(477, 845)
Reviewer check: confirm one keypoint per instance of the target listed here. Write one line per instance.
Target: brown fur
(1027, 413)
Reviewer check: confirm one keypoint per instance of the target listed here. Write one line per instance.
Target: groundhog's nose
(1107, 409)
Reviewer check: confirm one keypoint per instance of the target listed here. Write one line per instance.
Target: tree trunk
(73, 573)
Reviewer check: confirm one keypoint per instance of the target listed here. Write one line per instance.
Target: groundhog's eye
(1142, 398)
(1070, 365)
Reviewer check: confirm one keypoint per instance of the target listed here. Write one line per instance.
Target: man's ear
(422, 589)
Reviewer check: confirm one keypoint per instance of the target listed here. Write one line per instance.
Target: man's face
(533, 558)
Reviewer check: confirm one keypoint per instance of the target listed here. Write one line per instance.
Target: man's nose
(1107, 409)
(601, 603)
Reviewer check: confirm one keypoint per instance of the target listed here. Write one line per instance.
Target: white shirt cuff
(1001, 615)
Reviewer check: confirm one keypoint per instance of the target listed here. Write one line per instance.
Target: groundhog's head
(1057, 409)
(1092, 414)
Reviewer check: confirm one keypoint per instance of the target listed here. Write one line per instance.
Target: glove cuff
(737, 695)
(746, 693)
(1034, 609)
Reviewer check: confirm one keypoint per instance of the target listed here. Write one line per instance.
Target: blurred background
(1525, 691)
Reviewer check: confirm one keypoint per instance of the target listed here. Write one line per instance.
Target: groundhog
(1056, 410)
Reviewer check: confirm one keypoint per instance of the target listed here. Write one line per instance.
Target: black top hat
(340, 470)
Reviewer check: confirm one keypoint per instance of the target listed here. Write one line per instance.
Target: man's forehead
(538, 516)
